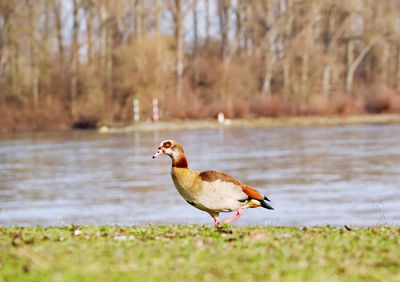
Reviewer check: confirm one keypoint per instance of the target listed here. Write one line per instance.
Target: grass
(185, 253)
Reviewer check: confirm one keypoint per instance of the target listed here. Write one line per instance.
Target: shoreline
(265, 122)
(254, 123)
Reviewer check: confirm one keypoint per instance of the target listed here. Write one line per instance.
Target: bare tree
(195, 29)
(88, 6)
(74, 56)
(33, 53)
(356, 62)
(139, 18)
(178, 14)
(207, 22)
(287, 36)
(224, 17)
(59, 23)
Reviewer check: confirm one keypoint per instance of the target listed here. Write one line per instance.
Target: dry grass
(257, 123)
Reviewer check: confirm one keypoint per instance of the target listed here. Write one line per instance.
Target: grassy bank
(256, 123)
(168, 253)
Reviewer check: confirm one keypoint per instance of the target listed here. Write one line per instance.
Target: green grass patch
(184, 253)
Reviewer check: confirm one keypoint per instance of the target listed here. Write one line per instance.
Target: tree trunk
(158, 80)
(238, 32)
(286, 75)
(223, 15)
(353, 65)
(195, 47)
(195, 31)
(46, 33)
(33, 71)
(271, 59)
(179, 47)
(58, 22)
(349, 61)
(385, 63)
(139, 18)
(248, 34)
(74, 57)
(103, 33)
(304, 74)
(44, 66)
(326, 79)
(89, 34)
(10, 55)
(207, 25)
(106, 47)
(287, 45)
(109, 58)
(16, 72)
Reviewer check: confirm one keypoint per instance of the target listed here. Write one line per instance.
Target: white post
(136, 115)
(156, 116)
(221, 117)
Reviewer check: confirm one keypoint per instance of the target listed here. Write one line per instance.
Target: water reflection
(314, 176)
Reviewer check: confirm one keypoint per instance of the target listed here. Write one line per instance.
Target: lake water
(313, 176)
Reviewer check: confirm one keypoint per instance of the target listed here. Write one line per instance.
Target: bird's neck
(179, 161)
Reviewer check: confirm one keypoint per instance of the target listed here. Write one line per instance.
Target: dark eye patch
(167, 145)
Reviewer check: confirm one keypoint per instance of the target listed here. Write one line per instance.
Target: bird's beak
(160, 152)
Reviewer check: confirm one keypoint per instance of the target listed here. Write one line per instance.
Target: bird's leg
(239, 214)
(215, 216)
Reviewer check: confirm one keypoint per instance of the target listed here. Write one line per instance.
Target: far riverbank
(254, 123)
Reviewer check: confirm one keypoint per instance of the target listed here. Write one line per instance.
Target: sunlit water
(314, 176)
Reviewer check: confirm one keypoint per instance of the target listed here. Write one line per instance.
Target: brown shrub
(190, 106)
(241, 107)
(345, 104)
(271, 106)
(51, 114)
(381, 98)
(395, 103)
(318, 104)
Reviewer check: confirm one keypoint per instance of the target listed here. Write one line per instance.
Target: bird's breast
(186, 184)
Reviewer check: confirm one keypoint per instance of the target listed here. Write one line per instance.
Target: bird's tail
(256, 198)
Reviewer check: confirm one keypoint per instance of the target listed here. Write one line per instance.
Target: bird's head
(170, 148)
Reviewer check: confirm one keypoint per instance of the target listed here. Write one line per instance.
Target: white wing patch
(220, 196)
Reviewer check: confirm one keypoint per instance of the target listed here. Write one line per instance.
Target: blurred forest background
(64, 62)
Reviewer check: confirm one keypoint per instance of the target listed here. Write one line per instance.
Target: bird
(210, 191)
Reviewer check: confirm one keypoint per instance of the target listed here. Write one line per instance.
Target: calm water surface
(314, 176)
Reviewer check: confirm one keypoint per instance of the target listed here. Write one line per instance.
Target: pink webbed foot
(239, 214)
(216, 221)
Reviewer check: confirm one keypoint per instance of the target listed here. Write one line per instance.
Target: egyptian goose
(210, 191)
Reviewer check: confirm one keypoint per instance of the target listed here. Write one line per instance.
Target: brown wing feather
(252, 193)
(212, 175)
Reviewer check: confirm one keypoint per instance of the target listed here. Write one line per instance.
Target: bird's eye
(167, 145)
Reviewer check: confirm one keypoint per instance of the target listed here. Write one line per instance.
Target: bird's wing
(252, 193)
(212, 175)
